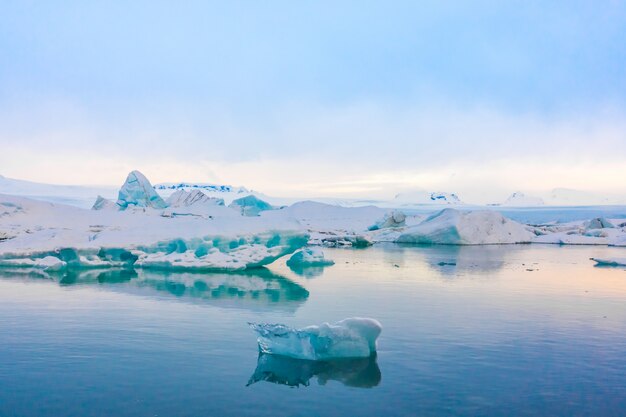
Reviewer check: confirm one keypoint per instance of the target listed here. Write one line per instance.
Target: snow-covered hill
(75, 195)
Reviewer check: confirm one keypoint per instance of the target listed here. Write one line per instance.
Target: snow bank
(453, 227)
(349, 338)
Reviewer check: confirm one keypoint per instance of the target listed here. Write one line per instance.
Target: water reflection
(257, 289)
(360, 373)
(307, 271)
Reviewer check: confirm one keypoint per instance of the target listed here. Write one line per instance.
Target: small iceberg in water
(349, 338)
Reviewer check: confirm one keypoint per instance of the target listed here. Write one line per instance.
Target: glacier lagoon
(486, 330)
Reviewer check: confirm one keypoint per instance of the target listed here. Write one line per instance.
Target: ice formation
(519, 199)
(250, 205)
(183, 198)
(394, 218)
(453, 227)
(104, 204)
(349, 338)
(103, 238)
(309, 256)
(276, 369)
(609, 261)
(598, 223)
(137, 191)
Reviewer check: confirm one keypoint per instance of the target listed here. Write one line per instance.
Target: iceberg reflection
(283, 370)
(256, 289)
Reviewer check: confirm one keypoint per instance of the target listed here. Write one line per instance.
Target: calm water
(506, 331)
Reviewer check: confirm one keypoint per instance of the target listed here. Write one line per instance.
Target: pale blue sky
(349, 98)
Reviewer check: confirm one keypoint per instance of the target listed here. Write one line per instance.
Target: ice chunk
(453, 227)
(598, 223)
(50, 264)
(394, 218)
(250, 205)
(182, 198)
(309, 257)
(349, 338)
(360, 372)
(609, 261)
(137, 191)
(104, 204)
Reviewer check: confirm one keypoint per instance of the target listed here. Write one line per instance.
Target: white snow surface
(349, 338)
(143, 236)
(453, 227)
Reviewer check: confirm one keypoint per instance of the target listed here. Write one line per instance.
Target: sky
(317, 98)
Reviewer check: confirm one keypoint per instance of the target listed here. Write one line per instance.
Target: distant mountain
(419, 198)
(76, 195)
(520, 199)
(570, 197)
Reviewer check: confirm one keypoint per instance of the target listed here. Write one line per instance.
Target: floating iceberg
(609, 261)
(33, 230)
(137, 191)
(453, 227)
(309, 257)
(349, 338)
(394, 218)
(359, 373)
(250, 205)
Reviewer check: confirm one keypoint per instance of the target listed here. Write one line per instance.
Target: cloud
(362, 149)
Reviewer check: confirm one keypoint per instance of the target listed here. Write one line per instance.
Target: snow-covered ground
(192, 230)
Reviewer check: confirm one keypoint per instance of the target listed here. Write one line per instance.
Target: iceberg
(104, 204)
(394, 218)
(453, 227)
(349, 338)
(276, 369)
(309, 257)
(137, 191)
(33, 230)
(250, 205)
(609, 261)
(598, 223)
(182, 198)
